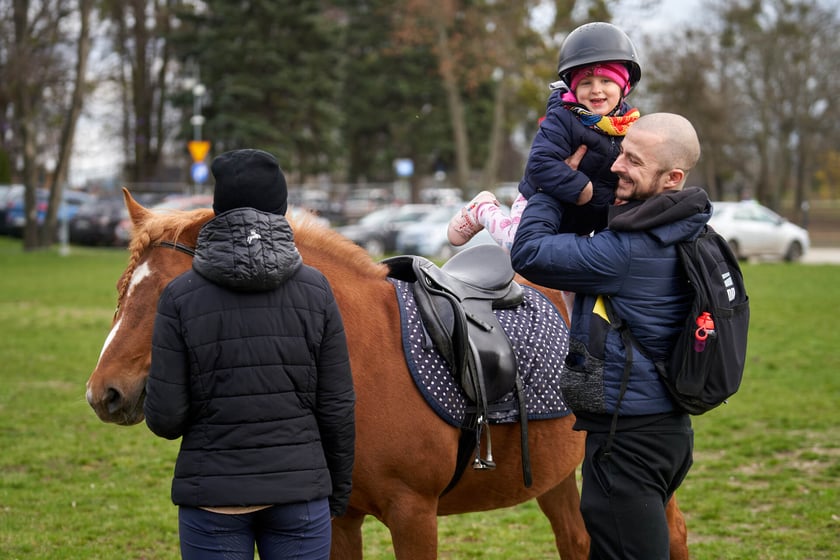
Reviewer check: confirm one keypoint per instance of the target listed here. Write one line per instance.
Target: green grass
(764, 484)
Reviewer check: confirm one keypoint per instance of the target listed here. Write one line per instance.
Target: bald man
(639, 444)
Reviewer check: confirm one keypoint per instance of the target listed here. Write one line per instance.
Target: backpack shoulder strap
(629, 343)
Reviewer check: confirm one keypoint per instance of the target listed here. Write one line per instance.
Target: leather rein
(186, 249)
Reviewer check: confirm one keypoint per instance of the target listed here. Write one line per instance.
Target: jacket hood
(247, 250)
(671, 216)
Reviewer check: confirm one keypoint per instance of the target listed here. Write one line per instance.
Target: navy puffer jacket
(250, 366)
(635, 263)
(559, 136)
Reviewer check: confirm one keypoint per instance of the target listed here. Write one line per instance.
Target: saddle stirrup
(487, 463)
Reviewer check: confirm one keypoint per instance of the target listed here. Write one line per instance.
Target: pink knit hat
(615, 71)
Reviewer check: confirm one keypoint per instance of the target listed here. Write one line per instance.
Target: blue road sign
(200, 172)
(404, 167)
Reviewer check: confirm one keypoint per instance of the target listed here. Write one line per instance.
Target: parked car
(298, 213)
(377, 231)
(428, 236)
(71, 201)
(753, 230)
(361, 202)
(8, 193)
(95, 223)
(175, 202)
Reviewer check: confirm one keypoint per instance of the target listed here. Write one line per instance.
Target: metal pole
(197, 119)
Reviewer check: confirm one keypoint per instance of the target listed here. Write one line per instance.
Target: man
(638, 445)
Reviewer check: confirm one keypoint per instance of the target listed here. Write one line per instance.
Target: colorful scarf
(613, 125)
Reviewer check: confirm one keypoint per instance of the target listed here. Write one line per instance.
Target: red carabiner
(705, 327)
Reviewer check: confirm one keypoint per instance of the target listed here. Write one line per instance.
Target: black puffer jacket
(250, 366)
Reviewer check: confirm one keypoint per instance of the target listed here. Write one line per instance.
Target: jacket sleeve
(336, 406)
(546, 170)
(566, 261)
(167, 401)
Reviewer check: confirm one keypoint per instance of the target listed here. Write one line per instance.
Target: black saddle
(456, 303)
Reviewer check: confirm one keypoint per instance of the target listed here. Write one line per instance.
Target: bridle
(186, 249)
(180, 247)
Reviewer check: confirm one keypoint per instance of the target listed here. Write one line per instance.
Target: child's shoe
(464, 225)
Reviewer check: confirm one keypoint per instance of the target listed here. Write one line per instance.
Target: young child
(598, 68)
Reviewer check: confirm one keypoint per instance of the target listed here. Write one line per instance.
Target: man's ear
(675, 178)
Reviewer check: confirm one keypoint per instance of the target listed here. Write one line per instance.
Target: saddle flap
(456, 304)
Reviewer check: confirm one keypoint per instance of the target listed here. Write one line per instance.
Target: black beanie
(248, 179)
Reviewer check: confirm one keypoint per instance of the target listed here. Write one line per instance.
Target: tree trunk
(24, 116)
(456, 111)
(68, 130)
(491, 165)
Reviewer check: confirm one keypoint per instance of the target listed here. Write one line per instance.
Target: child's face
(598, 94)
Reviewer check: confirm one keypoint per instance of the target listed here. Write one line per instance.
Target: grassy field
(764, 485)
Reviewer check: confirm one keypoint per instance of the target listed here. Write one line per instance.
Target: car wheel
(734, 246)
(794, 252)
(375, 248)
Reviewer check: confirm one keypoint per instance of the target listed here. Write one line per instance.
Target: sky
(97, 153)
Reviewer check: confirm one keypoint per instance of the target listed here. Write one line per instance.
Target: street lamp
(197, 119)
(198, 147)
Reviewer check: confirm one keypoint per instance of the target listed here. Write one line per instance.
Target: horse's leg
(347, 536)
(412, 520)
(561, 506)
(676, 527)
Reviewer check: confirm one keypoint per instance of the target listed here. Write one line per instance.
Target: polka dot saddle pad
(540, 340)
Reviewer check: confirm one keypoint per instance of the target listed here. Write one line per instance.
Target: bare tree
(784, 60)
(756, 78)
(476, 43)
(37, 74)
(68, 128)
(140, 37)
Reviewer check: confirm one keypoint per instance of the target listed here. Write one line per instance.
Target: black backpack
(707, 362)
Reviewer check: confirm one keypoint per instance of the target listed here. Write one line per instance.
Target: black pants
(625, 492)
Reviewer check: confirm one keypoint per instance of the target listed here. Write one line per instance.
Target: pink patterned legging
(501, 226)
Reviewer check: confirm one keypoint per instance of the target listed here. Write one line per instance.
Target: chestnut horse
(405, 453)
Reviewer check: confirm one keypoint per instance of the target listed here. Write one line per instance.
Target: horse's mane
(157, 227)
(313, 238)
(310, 237)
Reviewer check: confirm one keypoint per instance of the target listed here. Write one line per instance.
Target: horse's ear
(136, 210)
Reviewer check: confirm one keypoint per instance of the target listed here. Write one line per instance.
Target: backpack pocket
(582, 380)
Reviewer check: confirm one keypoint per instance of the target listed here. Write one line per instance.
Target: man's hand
(573, 161)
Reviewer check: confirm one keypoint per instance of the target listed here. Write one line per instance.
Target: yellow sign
(198, 149)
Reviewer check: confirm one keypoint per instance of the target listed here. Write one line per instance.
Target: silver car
(427, 237)
(753, 230)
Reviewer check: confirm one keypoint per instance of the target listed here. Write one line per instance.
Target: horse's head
(160, 251)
